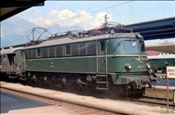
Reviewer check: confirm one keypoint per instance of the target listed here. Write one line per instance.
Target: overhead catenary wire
(83, 14)
(91, 12)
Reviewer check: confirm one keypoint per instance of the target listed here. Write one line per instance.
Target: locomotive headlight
(148, 66)
(127, 66)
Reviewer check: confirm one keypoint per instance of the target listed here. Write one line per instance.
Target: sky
(90, 14)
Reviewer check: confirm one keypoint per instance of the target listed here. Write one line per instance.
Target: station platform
(16, 105)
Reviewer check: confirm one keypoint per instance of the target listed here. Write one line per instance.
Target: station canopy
(168, 48)
(156, 29)
(9, 8)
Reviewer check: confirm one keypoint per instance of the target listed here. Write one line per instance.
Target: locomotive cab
(127, 62)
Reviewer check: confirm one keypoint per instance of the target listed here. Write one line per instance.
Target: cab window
(131, 46)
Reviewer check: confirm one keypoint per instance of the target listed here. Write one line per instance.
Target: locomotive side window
(34, 53)
(51, 51)
(30, 54)
(38, 52)
(59, 51)
(142, 46)
(68, 50)
(102, 45)
(131, 46)
(82, 48)
(26, 54)
(91, 48)
(75, 50)
(28, 51)
(44, 52)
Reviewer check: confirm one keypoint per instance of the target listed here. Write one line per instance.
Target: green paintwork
(116, 60)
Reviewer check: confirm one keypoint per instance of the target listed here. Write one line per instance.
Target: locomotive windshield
(131, 46)
(126, 45)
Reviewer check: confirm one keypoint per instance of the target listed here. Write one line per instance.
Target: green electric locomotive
(109, 58)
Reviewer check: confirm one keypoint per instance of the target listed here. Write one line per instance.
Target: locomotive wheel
(71, 87)
(52, 85)
(32, 82)
(56, 85)
(60, 86)
(87, 89)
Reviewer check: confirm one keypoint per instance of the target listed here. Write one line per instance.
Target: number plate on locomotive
(140, 66)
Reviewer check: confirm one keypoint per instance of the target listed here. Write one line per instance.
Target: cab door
(101, 56)
(11, 62)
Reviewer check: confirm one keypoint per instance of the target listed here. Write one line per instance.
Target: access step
(99, 88)
(104, 82)
(101, 75)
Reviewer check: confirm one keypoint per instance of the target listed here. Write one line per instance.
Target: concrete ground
(11, 104)
(101, 103)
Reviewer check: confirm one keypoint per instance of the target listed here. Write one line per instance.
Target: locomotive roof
(66, 40)
(11, 50)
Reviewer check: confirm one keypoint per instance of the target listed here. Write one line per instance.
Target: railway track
(153, 100)
(81, 110)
